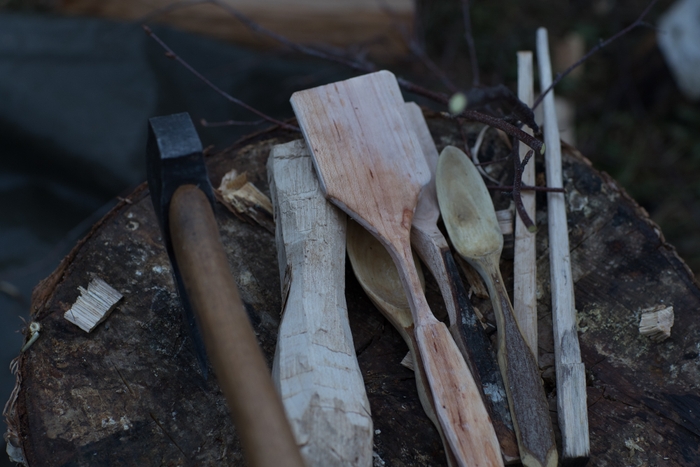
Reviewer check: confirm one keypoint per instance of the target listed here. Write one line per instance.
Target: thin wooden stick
(524, 261)
(571, 377)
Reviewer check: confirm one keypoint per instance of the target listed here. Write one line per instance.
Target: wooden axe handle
(231, 345)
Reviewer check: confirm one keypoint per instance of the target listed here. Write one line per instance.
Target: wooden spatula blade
(334, 124)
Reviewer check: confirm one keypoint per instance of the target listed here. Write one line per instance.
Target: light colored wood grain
(370, 164)
(93, 305)
(524, 259)
(339, 23)
(315, 368)
(656, 323)
(465, 328)
(570, 373)
(470, 220)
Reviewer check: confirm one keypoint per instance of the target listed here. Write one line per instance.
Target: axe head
(174, 158)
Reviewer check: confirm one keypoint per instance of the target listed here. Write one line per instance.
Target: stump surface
(130, 393)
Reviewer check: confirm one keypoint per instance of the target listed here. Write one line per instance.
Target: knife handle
(231, 345)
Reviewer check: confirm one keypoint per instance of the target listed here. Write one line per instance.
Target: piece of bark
(315, 368)
(524, 257)
(570, 371)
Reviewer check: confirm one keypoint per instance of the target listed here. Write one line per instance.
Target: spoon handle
(528, 404)
(458, 403)
(468, 334)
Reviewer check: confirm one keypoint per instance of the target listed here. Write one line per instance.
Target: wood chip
(245, 200)
(656, 323)
(93, 306)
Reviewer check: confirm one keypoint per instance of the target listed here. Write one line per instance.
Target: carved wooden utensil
(369, 164)
(315, 368)
(471, 223)
(377, 274)
(432, 247)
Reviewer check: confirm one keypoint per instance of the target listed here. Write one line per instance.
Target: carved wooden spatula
(370, 165)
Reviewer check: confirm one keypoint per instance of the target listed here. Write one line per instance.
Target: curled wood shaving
(244, 200)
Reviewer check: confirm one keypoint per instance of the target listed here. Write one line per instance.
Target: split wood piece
(656, 323)
(525, 256)
(476, 283)
(315, 368)
(245, 200)
(378, 277)
(93, 305)
(570, 370)
(470, 219)
(465, 327)
(370, 164)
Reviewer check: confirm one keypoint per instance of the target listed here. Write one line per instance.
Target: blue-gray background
(75, 96)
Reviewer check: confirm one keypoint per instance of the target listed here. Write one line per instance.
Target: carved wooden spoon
(471, 223)
(432, 247)
(377, 274)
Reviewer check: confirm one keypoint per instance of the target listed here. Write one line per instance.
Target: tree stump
(130, 392)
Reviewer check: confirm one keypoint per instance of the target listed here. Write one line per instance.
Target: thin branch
(416, 47)
(602, 44)
(470, 42)
(170, 54)
(169, 8)
(501, 124)
(517, 186)
(208, 124)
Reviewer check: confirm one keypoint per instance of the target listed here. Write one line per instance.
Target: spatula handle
(468, 334)
(458, 403)
(528, 405)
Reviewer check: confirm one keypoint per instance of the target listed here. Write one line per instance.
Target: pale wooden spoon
(470, 219)
(468, 334)
(377, 274)
(370, 165)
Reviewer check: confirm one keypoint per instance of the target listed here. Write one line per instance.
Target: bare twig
(169, 8)
(602, 44)
(206, 123)
(517, 186)
(170, 54)
(470, 42)
(501, 124)
(416, 47)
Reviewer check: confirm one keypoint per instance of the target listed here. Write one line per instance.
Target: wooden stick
(315, 367)
(570, 371)
(524, 260)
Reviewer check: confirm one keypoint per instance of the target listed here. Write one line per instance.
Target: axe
(217, 320)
